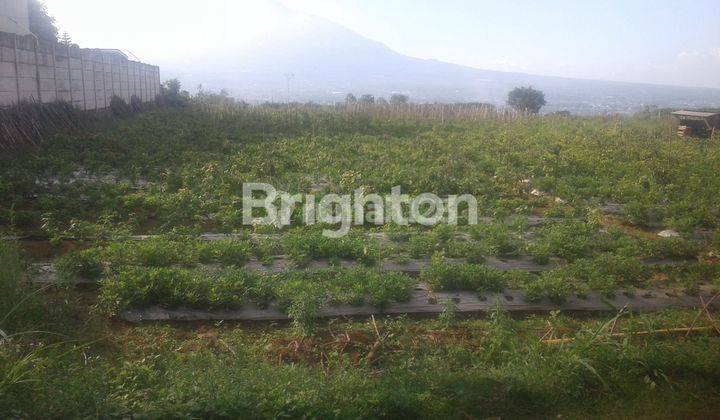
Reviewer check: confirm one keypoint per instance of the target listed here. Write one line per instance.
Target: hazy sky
(651, 41)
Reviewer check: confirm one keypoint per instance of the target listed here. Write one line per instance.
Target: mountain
(307, 58)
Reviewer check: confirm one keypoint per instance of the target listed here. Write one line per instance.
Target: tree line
(523, 99)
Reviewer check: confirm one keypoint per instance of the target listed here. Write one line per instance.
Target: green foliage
(499, 240)
(18, 305)
(526, 99)
(399, 99)
(192, 168)
(442, 275)
(228, 252)
(301, 294)
(172, 95)
(303, 246)
(605, 273)
(191, 165)
(551, 285)
(41, 23)
(440, 238)
(86, 264)
(568, 240)
(173, 287)
(367, 99)
(153, 252)
(119, 107)
(673, 248)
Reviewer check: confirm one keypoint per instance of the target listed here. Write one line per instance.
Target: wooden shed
(697, 124)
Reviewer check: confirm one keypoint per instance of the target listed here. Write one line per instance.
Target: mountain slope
(312, 59)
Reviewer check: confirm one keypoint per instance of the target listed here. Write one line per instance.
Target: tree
(399, 99)
(172, 95)
(367, 99)
(173, 87)
(41, 23)
(526, 99)
(350, 99)
(65, 39)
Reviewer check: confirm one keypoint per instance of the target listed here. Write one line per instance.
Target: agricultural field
(588, 284)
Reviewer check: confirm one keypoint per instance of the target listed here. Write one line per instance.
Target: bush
(301, 294)
(552, 285)
(568, 240)
(119, 107)
(498, 240)
(172, 95)
(136, 104)
(308, 245)
(442, 275)
(85, 264)
(154, 252)
(672, 248)
(606, 273)
(229, 252)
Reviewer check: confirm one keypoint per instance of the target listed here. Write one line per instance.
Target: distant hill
(327, 61)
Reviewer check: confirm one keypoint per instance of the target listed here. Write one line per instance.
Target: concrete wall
(88, 78)
(14, 17)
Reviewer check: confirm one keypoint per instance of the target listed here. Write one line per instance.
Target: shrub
(229, 252)
(385, 288)
(172, 287)
(552, 285)
(137, 105)
(540, 253)
(154, 252)
(305, 246)
(421, 245)
(673, 248)
(171, 94)
(643, 214)
(498, 240)
(442, 275)
(604, 273)
(568, 240)
(301, 294)
(119, 107)
(691, 275)
(86, 264)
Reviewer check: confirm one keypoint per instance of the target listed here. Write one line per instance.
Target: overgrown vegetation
(540, 183)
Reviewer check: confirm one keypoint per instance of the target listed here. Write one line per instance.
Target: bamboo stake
(664, 331)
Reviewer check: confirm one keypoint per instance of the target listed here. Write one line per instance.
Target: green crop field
(147, 212)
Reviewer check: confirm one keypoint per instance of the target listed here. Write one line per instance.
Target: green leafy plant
(443, 275)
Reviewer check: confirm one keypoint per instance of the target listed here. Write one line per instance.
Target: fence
(87, 78)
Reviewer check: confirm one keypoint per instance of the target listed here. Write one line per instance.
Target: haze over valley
(305, 58)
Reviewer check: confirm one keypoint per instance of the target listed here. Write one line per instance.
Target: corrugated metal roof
(695, 114)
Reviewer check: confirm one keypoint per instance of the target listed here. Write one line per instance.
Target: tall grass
(17, 302)
(413, 112)
(19, 309)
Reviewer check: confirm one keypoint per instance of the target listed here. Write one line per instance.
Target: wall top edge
(47, 46)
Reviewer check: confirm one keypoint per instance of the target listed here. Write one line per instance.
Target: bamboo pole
(664, 331)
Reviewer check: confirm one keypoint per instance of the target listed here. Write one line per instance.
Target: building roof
(697, 114)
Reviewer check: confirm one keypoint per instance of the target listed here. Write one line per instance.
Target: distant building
(15, 17)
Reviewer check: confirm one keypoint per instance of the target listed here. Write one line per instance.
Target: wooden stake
(665, 331)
